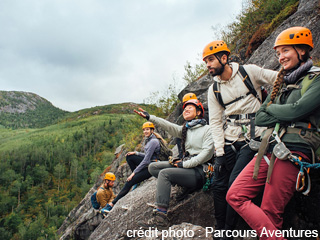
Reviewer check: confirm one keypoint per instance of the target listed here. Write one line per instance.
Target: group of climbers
(259, 146)
(292, 114)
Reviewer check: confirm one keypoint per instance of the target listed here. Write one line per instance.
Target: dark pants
(133, 161)
(224, 176)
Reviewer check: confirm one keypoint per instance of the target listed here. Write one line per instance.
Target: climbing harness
(243, 120)
(280, 151)
(269, 133)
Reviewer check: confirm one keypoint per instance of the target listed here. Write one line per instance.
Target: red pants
(276, 195)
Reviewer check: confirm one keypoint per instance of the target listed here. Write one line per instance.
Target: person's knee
(129, 158)
(152, 168)
(234, 200)
(163, 174)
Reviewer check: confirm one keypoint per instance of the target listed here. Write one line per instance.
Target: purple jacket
(151, 152)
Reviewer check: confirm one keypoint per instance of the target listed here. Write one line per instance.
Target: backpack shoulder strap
(307, 80)
(247, 81)
(217, 93)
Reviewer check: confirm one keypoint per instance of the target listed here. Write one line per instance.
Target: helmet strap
(300, 61)
(219, 60)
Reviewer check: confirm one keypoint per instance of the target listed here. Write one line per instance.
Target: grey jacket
(151, 152)
(199, 141)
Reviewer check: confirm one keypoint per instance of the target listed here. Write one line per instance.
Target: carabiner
(300, 180)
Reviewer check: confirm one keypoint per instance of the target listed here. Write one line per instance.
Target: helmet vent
(291, 36)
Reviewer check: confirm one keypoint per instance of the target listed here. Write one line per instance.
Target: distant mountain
(120, 108)
(27, 110)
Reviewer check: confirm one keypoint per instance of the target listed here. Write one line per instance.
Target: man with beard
(232, 104)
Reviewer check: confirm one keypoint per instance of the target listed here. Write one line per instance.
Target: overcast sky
(84, 53)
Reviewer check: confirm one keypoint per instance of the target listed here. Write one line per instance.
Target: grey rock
(308, 16)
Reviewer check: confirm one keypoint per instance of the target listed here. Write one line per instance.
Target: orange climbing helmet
(110, 176)
(215, 47)
(294, 36)
(196, 103)
(148, 125)
(188, 96)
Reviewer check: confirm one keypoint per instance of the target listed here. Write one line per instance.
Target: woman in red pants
(294, 107)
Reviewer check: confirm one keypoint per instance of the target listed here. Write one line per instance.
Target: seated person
(105, 194)
(198, 148)
(139, 162)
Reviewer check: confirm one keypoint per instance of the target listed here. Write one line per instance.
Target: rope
(206, 185)
(304, 164)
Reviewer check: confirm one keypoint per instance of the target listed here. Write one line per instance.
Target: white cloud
(79, 54)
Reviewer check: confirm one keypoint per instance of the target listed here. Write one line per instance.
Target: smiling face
(288, 56)
(147, 132)
(190, 112)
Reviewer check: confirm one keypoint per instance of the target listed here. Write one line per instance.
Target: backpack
(249, 85)
(165, 152)
(94, 201)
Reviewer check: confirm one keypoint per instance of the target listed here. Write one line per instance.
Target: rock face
(19, 102)
(196, 213)
(308, 16)
(27, 110)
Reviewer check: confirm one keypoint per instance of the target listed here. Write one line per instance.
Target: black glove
(147, 114)
(219, 162)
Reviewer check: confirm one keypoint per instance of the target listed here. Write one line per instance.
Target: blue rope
(304, 164)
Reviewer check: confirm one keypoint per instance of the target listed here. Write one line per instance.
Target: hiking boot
(104, 212)
(107, 207)
(159, 220)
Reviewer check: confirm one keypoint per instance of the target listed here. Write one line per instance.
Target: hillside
(121, 108)
(27, 110)
(303, 212)
(45, 172)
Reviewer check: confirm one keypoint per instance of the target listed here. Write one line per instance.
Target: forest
(45, 172)
(49, 159)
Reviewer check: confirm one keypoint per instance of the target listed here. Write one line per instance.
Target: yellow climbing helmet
(293, 36)
(188, 96)
(148, 125)
(215, 47)
(110, 176)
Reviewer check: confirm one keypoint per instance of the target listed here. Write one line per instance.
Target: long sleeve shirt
(199, 142)
(104, 196)
(230, 90)
(151, 150)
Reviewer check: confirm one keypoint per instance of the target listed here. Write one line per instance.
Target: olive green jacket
(292, 106)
